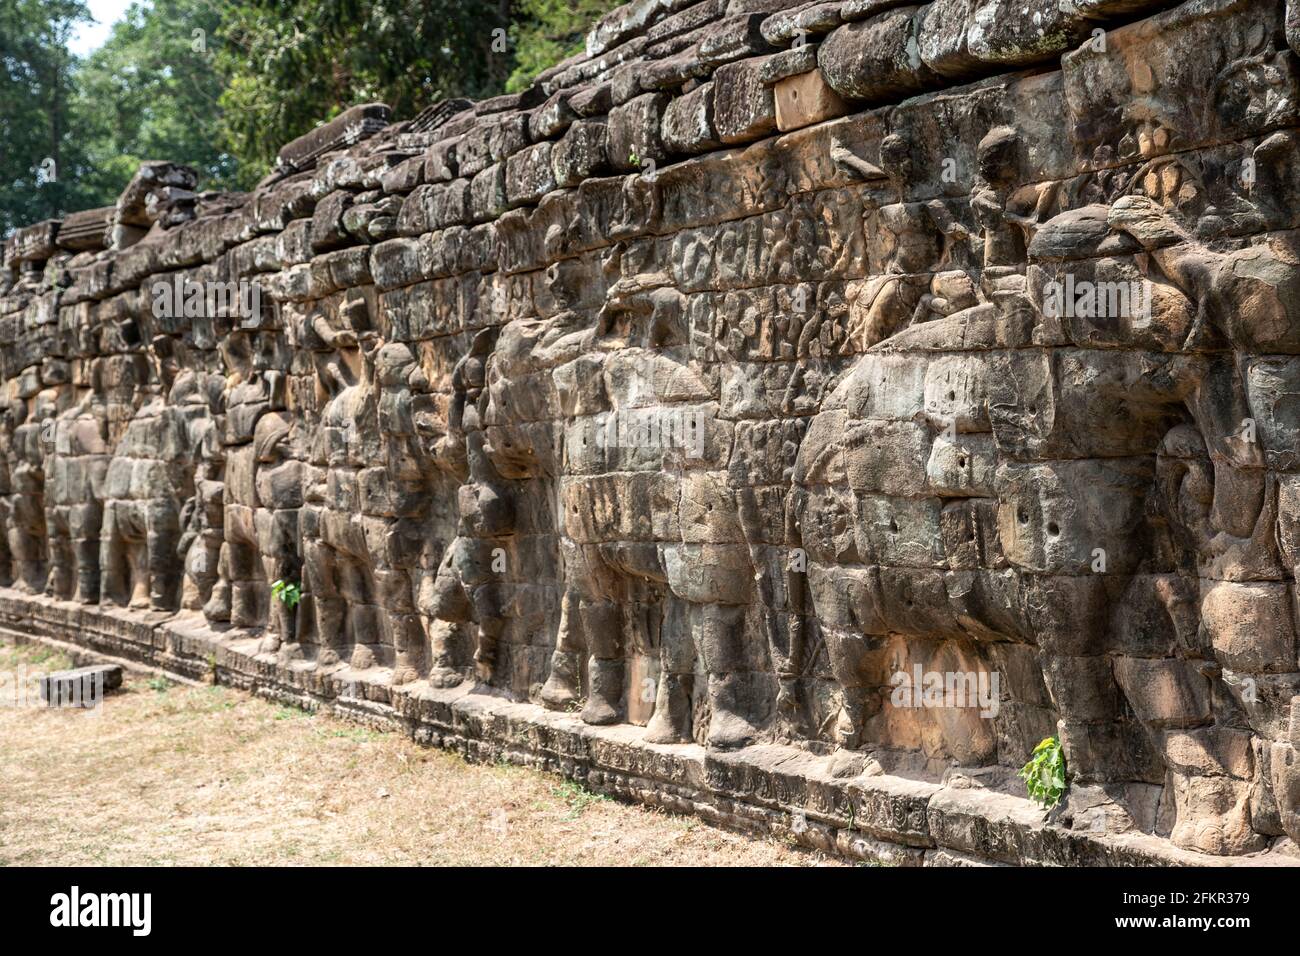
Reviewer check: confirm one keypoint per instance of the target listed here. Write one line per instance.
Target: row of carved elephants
(971, 455)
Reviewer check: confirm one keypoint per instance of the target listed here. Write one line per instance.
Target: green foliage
(1044, 775)
(38, 170)
(577, 796)
(291, 65)
(546, 32)
(151, 92)
(288, 593)
(222, 85)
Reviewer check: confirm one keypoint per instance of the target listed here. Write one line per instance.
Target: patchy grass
(169, 774)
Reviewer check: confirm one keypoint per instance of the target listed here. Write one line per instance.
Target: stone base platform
(774, 790)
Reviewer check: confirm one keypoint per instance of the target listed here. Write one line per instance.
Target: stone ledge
(772, 789)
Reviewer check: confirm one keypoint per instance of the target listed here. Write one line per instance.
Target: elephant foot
(270, 644)
(485, 659)
(404, 674)
(671, 722)
(56, 586)
(327, 657)
(408, 665)
(560, 692)
(290, 652)
(848, 727)
(363, 658)
(217, 607)
(605, 699)
(445, 677)
(729, 728)
(791, 717)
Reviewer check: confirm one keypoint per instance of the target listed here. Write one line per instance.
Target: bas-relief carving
(880, 446)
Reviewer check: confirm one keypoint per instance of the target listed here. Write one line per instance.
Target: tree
(223, 84)
(38, 162)
(151, 92)
(545, 32)
(290, 65)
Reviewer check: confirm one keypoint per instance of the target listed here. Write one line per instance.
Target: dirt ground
(173, 774)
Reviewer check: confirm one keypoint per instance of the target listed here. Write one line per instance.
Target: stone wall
(744, 374)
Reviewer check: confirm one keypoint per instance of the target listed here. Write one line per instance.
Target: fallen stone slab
(80, 687)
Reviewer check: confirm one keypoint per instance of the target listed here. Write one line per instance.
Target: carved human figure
(149, 479)
(76, 463)
(7, 423)
(32, 433)
(405, 511)
(201, 527)
(338, 566)
(254, 388)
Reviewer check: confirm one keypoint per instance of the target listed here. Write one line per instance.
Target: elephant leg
(330, 614)
(137, 553)
(58, 582)
(202, 568)
(847, 653)
(245, 603)
(562, 689)
(408, 648)
(217, 606)
(84, 527)
(162, 535)
(87, 551)
(602, 623)
(6, 556)
(486, 600)
(114, 581)
(448, 611)
(359, 592)
(279, 616)
(671, 721)
(29, 561)
(275, 565)
(279, 547)
(733, 691)
(329, 609)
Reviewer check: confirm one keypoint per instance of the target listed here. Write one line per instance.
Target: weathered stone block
(877, 59)
(804, 99)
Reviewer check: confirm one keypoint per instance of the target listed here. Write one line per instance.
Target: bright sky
(91, 36)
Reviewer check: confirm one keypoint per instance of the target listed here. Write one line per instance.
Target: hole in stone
(1023, 516)
(961, 462)
(893, 526)
(1053, 529)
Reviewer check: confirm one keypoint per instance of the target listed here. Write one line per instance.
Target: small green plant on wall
(288, 593)
(1044, 775)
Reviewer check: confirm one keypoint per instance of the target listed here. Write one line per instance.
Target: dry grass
(172, 774)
